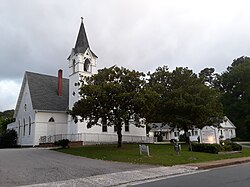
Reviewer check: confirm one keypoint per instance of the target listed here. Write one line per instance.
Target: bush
(64, 143)
(207, 148)
(8, 139)
(236, 139)
(236, 147)
(228, 145)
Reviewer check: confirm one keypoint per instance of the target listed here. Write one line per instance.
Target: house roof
(160, 127)
(227, 123)
(43, 92)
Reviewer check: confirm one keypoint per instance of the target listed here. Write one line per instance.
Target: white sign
(144, 149)
(209, 135)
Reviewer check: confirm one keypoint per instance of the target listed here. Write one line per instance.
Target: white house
(225, 130)
(41, 110)
(165, 130)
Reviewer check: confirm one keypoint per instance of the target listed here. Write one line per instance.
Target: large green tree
(6, 117)
(113, 97)
(235, 86)
(185, 101)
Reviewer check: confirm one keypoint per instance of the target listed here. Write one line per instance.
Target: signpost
(209, 135)
(143, 149)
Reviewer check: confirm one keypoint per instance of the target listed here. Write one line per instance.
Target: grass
(159, 154)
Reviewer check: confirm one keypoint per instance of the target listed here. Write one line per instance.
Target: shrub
(228, 145)
(64, 143)
(207, 148)
(8, 139)
(236, 147)
(236, 139)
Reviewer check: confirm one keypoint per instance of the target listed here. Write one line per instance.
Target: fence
(95, 138)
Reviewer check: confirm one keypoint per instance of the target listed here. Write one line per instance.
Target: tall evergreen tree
(235, 86)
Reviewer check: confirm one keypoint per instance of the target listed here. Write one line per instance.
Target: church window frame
(115, 128)
(104, 128)
(126, 127)
(23, 126)
(87, 65)
(29, 125)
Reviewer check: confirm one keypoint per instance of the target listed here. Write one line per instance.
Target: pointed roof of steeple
(82, 41)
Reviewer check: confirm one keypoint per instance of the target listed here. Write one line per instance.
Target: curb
(220, 163)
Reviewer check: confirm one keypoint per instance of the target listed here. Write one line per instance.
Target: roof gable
(43, 92)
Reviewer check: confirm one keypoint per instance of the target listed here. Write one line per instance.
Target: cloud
(8, 94)
(143, 34)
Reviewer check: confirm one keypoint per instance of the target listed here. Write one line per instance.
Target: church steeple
(82, 43)
(82, 63)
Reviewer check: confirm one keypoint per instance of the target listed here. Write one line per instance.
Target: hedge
(215, 148)
(207, 148)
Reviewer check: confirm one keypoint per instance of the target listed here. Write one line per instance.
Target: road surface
(231, 176)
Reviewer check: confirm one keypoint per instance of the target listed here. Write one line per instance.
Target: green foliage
(6, 117)
(228, 145)
(235, 87)
(215, 148)
(207, 148)
(64, 143)
(8, 139)
(113, 97)
(184, 100)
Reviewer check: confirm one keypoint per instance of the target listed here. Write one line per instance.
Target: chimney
(59, 86)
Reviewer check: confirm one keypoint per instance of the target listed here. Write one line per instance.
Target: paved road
(33, 166)
(233, 176)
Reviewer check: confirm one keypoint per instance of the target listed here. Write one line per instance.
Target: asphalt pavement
(46, 168)
(34, 165)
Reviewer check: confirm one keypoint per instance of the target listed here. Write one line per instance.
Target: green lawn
(159, 154)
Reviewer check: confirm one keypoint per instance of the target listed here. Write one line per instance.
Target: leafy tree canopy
(185, 101)
(235, 86)
(6, 117)
(113, 97)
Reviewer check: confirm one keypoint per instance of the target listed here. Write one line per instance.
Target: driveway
(34, 166)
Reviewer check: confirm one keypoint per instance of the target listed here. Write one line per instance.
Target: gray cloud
(143, 34)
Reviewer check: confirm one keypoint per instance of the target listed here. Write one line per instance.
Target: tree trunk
(186, 135)
(119, 134)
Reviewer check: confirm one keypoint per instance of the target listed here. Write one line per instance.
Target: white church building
(41, 111)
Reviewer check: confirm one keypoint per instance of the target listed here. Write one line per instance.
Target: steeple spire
(82, 43)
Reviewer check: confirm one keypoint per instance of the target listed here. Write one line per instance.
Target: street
(231, 176)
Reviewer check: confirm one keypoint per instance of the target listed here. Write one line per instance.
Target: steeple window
(87, 65)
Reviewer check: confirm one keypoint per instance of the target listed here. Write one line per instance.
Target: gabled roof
(227, 123)
(82, 43)
(43, 92)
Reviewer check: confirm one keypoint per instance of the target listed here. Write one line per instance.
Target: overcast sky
(138, 34)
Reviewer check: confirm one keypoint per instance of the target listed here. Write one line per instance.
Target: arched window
(23, 126)
(29, 125)
(87, 65)
(51, 119)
